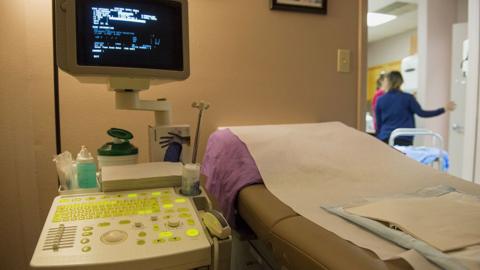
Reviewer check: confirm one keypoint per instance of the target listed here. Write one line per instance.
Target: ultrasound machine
(127, 44)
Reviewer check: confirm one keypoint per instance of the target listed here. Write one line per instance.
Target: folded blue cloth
(426, 155)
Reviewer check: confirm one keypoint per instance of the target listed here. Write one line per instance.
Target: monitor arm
(127, 98)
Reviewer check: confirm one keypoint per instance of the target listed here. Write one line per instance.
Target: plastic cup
(191, 179)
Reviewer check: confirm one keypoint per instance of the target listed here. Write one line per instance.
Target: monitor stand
(127, 98)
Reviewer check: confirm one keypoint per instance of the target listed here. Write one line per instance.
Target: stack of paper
(141, 176)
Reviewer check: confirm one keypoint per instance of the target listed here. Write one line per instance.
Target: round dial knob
(114, 237)
(173, 222)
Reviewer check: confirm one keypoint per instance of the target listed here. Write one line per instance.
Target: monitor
(123, 38)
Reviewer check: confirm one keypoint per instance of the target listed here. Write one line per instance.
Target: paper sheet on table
(447, 222)
(311, 165)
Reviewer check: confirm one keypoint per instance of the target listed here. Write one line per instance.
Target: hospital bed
(298, 243)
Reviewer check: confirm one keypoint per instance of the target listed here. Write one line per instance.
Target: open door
(458, 95)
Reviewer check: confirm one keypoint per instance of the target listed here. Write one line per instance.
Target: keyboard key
(84, 240)
(159, 240)
(165, 234)
(174, 239)
(105, 208)
(192, 232)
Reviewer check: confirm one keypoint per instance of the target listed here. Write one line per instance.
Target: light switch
(343, 60)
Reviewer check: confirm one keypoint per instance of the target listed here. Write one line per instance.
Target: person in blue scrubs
(397, 109)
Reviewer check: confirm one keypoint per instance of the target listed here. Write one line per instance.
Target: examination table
(296, 241)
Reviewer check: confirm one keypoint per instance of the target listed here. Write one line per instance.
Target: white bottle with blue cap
(86, 169)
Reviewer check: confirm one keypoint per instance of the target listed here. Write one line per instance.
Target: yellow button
(174, 239)
(86, 248)
(168, 205)
(104, 224)
(105, 197)
(84, 240)
(132, 195)
(155, 227)
(158, 241)
(180, 200)
(87, 228)
(86, 233)
(124, 222)
(190, 222)
(169, 211)
(182, 209)
(140, 242)
(142, 234)
(165, 234)
(156, 193)
(192, 232)
(63, 200)
(184, 215)
(167, 217)
(119, 195)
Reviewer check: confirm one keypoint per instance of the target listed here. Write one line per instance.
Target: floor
(250, 255)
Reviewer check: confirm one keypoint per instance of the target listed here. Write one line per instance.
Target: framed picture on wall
(311, 6)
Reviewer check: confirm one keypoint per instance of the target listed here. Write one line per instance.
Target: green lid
(120, 145)
(120, 133)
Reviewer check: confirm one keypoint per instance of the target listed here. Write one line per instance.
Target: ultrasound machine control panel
(117, 230)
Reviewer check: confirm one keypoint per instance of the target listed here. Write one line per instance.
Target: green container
(119, 151)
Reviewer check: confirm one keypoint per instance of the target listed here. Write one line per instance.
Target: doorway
(427, 41)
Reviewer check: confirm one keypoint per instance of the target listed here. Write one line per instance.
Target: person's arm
(417, 109)
(378, 118)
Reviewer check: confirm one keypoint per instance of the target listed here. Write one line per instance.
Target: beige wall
(434, 50)
(26, 127)
(253, 65)
(391, 49)
(462, 11)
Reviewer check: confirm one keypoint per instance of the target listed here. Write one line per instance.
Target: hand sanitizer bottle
(86, 169)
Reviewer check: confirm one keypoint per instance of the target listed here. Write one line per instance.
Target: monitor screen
(130, 33)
